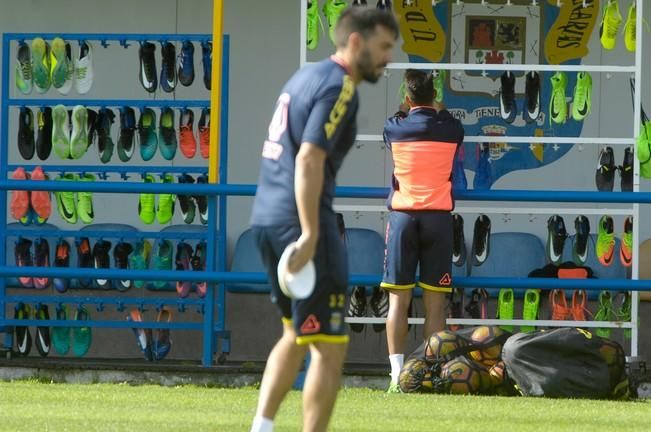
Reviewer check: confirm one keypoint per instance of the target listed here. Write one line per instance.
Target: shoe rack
(212, 306)
(528, 196)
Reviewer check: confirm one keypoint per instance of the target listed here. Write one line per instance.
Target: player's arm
(308, 184)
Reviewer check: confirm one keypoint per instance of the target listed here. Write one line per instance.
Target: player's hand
(303, 252)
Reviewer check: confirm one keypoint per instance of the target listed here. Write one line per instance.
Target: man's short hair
(419, 86)
(363, 21)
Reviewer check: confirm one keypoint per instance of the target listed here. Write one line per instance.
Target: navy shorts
(418, 238)
(320, 317)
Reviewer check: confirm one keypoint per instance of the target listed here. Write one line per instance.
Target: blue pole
(220, 325)
(4, 144)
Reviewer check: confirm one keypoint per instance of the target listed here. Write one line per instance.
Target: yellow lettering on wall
(341, 106)
(420, 30)
(569, 35)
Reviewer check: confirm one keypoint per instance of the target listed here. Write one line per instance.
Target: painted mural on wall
(519, 33)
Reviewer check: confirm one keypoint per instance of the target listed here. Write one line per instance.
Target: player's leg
(286, 357)
(283, 364)
(400, 262)
(435, 258)
(319, 323)
(322, 384)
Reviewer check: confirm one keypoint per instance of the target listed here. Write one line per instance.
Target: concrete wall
(264, 53)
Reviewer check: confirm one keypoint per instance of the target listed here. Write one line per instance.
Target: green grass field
(35, 406)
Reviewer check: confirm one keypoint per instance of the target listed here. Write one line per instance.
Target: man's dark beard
(367, 68)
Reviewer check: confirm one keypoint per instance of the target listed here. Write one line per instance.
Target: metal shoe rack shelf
(212, 306)
(589, 197)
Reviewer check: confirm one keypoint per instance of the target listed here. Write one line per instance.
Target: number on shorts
(337, 300)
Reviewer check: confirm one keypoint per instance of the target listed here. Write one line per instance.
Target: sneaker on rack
(531, 110)
(41, 65)
(198, 263)
(204, 133)
(101, 260)
(26, 144)
(23, 256)
(439, 77)
(508, 108)
(143, 335)
(186, 133)
(148, 77)
(610, 22)
(476, 307)
(183, 258)
(58, 63)
(556, 235)
(623, 311)
(70, 71)
(84, 259)
(79, 138)
(165, 208)
(44, 133)
(186, 202)
(163, 259)
(332, 9)
(579, 310)
(40, 200)
(530, 306)
(458, 241)
(168, 67)
(66, 200)
(61, 131)
(185, 70)
(42, 339)
(313, 22)
(139, 259)
(20, 202)
(126, 143)
(558, 103)
(206, 56)
(41, 259)
(582, 234)
(558, 305)
(630, 28)
(454, 307)
(626, 243)
(626, 171)
(604, 313)
(105, 120)
(23, 74)
(379, 303)
(147, 203)
(147, 134)
(23, 336)
(505, 307)
(357, 307)
(605, 174)
(481, 240)
(85, 210)
(582, 102)
(82, 337)
(606, 240)
(121, 253)
(202, 201)
(384, 5)
(167, 134)
(61, 259)
(84, 71)
(359, 3)
(162, 343)
(61, 335)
